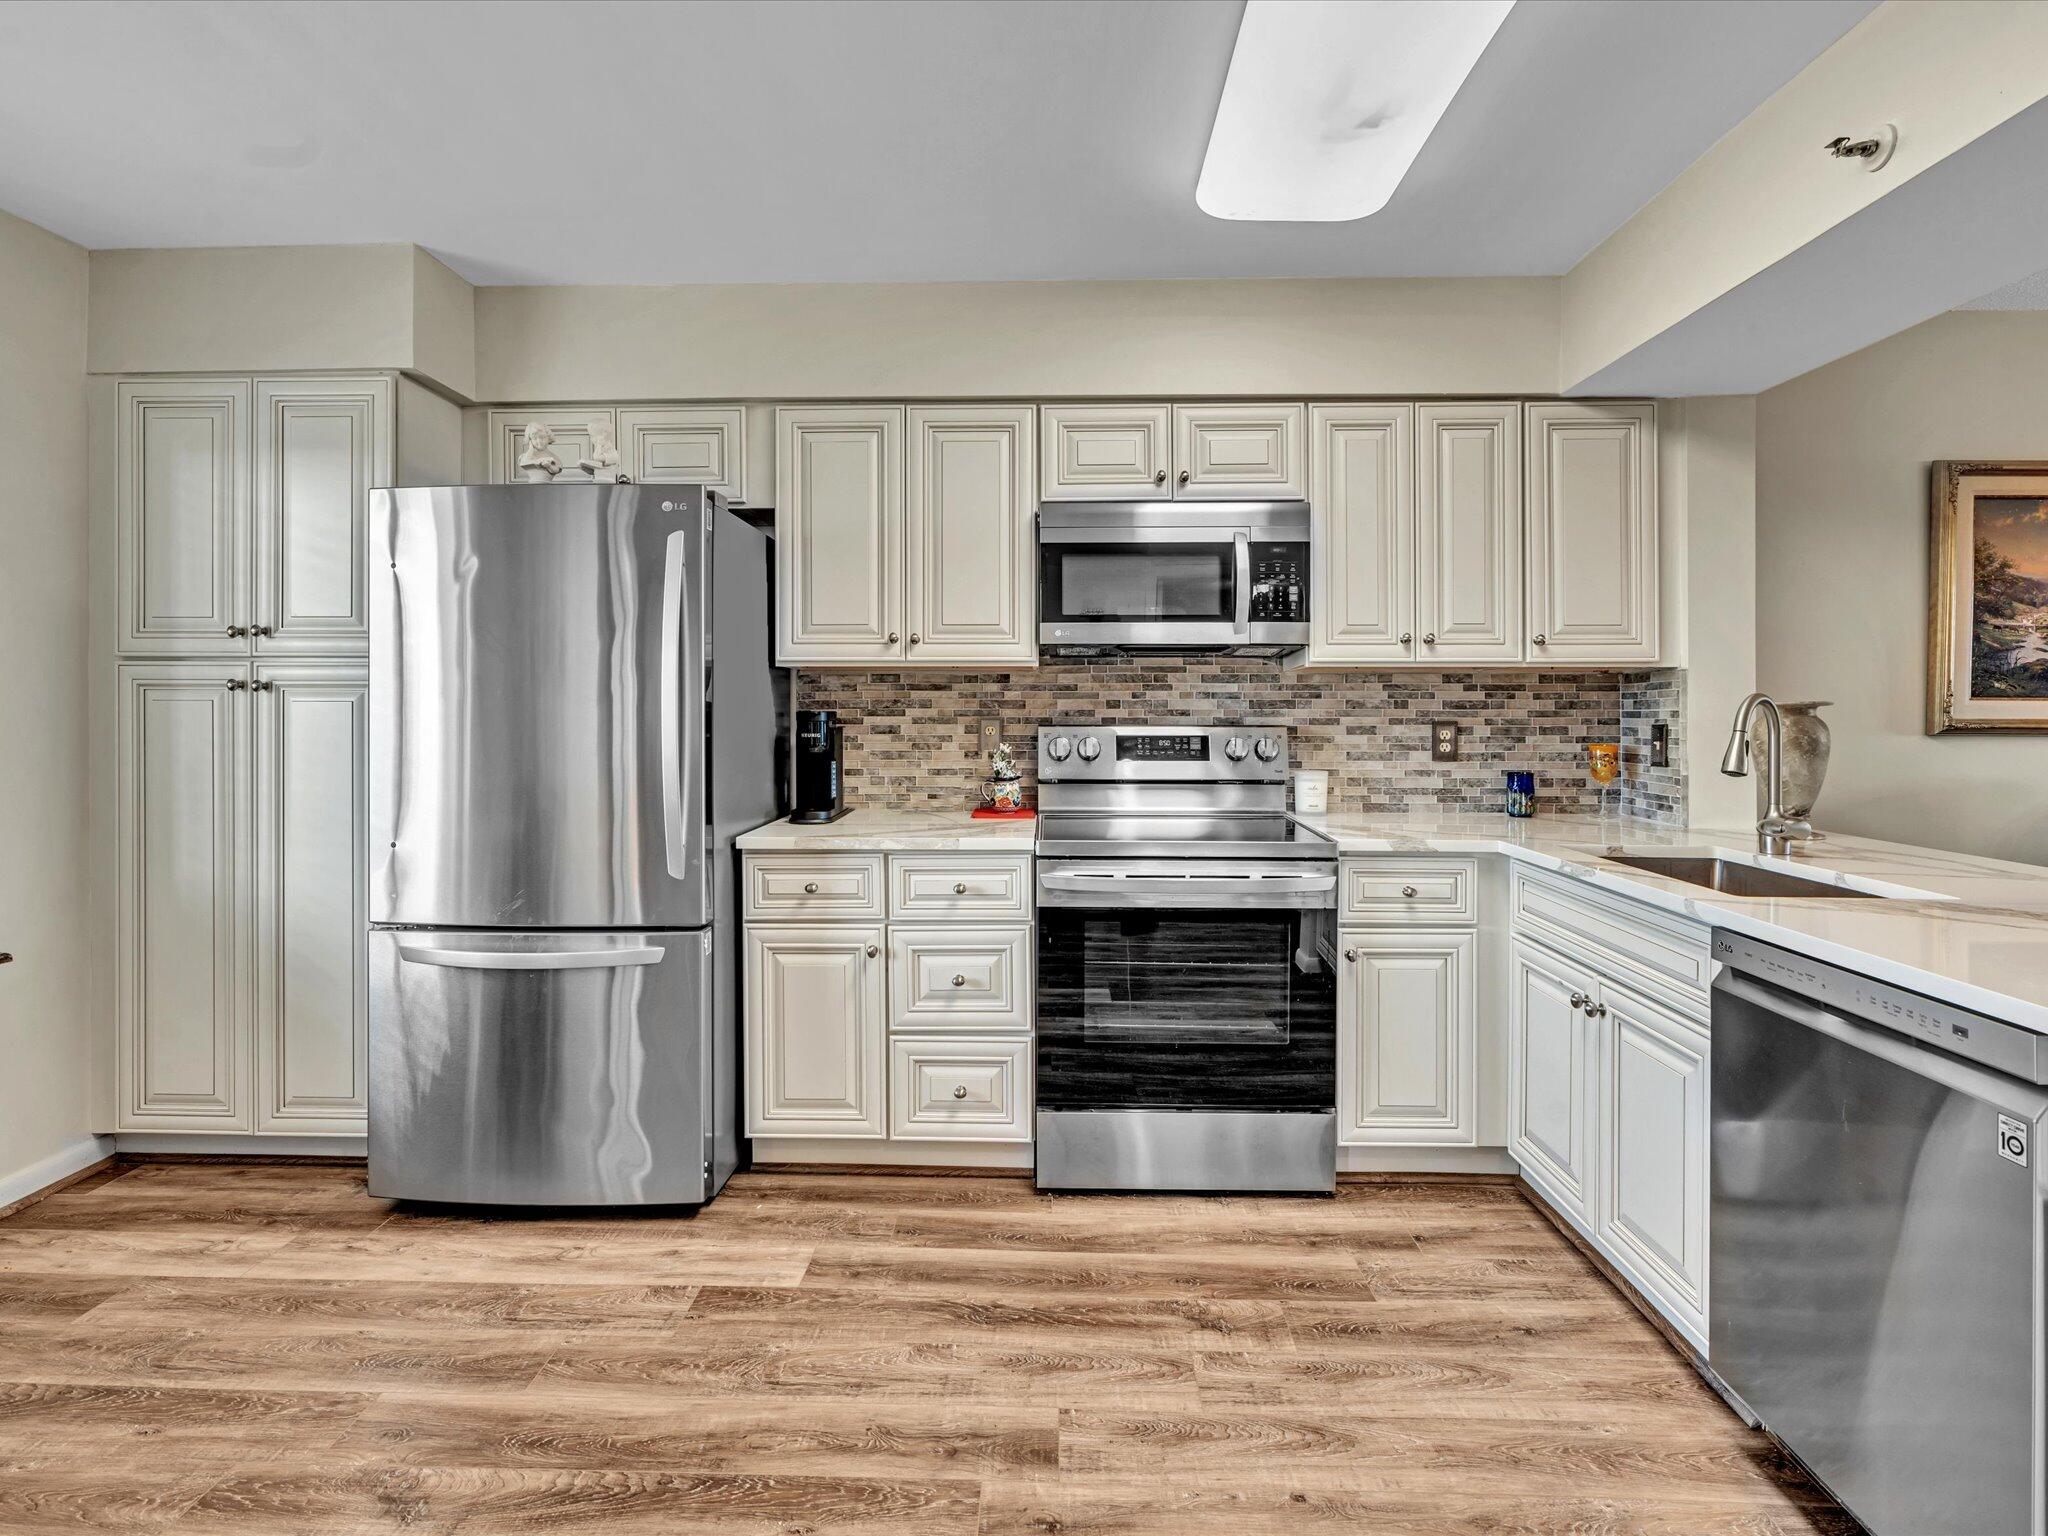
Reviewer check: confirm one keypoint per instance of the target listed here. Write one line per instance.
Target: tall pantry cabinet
(238, 685)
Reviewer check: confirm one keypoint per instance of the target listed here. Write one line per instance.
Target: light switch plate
(1660, 745)
(1443, 741)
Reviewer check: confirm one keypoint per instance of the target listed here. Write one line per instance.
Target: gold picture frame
(1987, 610)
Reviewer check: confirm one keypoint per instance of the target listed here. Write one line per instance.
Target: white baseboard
(61, 1164)
(892, 1154)
(241, 1146)
(1424, 1160)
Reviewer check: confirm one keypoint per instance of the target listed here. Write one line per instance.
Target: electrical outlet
(1443, 741)
(1660, 745)
(989, 735)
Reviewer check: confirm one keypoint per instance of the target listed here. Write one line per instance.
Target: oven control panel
(1149, 754)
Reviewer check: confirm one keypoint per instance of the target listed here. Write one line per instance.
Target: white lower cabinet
(243, 975)
(1407, 1026)
(1607, 1110)
(916, 1030)
(815, 1031)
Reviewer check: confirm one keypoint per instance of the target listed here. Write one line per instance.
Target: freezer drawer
(539, 1068)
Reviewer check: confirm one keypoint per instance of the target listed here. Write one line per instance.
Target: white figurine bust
(535, 462)
(602, 462)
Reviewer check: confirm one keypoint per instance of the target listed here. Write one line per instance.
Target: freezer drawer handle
(530, 960)
(671, 706)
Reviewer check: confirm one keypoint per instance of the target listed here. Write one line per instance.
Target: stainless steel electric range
(1187, 1005)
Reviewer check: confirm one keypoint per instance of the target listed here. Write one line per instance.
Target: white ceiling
(873, 140)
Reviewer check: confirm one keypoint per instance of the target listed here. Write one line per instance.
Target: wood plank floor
(248, 1348)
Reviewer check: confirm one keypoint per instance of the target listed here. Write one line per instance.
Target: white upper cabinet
(312, 1010)
(686, 445)
(1240, 452)
(1106, 452)
(839, 533)
(1468, 533)
(182, 452)
(182, 842)
(1362, 563)
(1592, 532)
(970, 560)
(1407, 1039)
(321, 444)
(571, 426)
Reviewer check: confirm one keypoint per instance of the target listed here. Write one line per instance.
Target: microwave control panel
(1279, 583)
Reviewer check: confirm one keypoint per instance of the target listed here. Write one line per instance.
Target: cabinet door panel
(182, 1021)
(687, 445)
(321, 444)
(1468, 533)
(182, 455)
(1407, 1042)
(1592, 532)
(1551, 1067)
(571, 426)
(968, 587)
(839, 534)
(1239, 451)
(1105, 452)
(815, 1032)
(312, 981)
(1653, 1206)
(1362, 567)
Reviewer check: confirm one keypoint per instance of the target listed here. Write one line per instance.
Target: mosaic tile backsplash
(910, 736)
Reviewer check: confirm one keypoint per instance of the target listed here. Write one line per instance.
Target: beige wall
(918, 340)
(1842, 515)
(46, 1023)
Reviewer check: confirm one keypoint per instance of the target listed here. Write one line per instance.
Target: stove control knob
(1058, 749)
(1268, 749)
(1235, 749)
(1090, 749)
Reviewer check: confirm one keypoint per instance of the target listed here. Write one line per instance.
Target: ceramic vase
(1806, 756)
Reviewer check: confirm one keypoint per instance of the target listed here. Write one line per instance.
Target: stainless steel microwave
(1173, 576)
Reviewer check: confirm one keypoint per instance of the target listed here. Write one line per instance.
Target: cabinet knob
(873, 950)
(1160, 478)
(960, 1092)
(959, 981)
(959, 887)
(1408, 891)
(1351, 955)
(892, 637)
(236, 631)
(810, 887)
(916, 639)
(1430, 638)
(5, 958)
(1596, 1010)
(1542, 639)
(1406, 636)
(1579, 999)
(236, 685)
(261, 629)
(1183, 477)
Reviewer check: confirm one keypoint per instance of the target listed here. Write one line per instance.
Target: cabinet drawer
(927, 885)
(959, 977)
(960, 1090)
(811, 885)
(1666, 957)
(1410, 891)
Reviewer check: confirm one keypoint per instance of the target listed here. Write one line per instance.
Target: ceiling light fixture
(1328, 102)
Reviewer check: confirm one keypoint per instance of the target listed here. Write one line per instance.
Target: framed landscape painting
(1987, 629)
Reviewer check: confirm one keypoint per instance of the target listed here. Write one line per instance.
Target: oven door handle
(1241, 624)
(1191, 893)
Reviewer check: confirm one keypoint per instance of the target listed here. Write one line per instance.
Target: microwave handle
(1242, 622)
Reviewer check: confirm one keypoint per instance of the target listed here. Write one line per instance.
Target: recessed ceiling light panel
(1328, 102)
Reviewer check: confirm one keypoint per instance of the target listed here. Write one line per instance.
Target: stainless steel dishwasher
(1876, 1253)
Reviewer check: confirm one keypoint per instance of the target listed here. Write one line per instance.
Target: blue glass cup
(1521, 792)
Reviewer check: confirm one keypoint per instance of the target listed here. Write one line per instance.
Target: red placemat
(984, 813)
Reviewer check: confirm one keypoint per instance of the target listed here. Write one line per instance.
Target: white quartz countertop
(893, 832)
(1974, 931)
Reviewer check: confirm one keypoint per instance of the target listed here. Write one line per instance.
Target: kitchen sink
(1733, 878)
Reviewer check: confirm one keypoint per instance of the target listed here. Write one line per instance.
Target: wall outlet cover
(1443, 741)
(988, 734)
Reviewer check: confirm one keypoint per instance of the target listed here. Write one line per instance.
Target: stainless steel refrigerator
(573, 712)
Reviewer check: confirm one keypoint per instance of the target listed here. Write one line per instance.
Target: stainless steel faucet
(1776, 829)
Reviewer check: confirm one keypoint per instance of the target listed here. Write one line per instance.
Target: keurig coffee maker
(820, 795)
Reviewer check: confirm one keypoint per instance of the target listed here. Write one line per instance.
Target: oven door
(1162, 586)
(1184, 1007)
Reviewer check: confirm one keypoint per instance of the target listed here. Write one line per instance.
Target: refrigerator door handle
(530, 960)
(674, 836)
